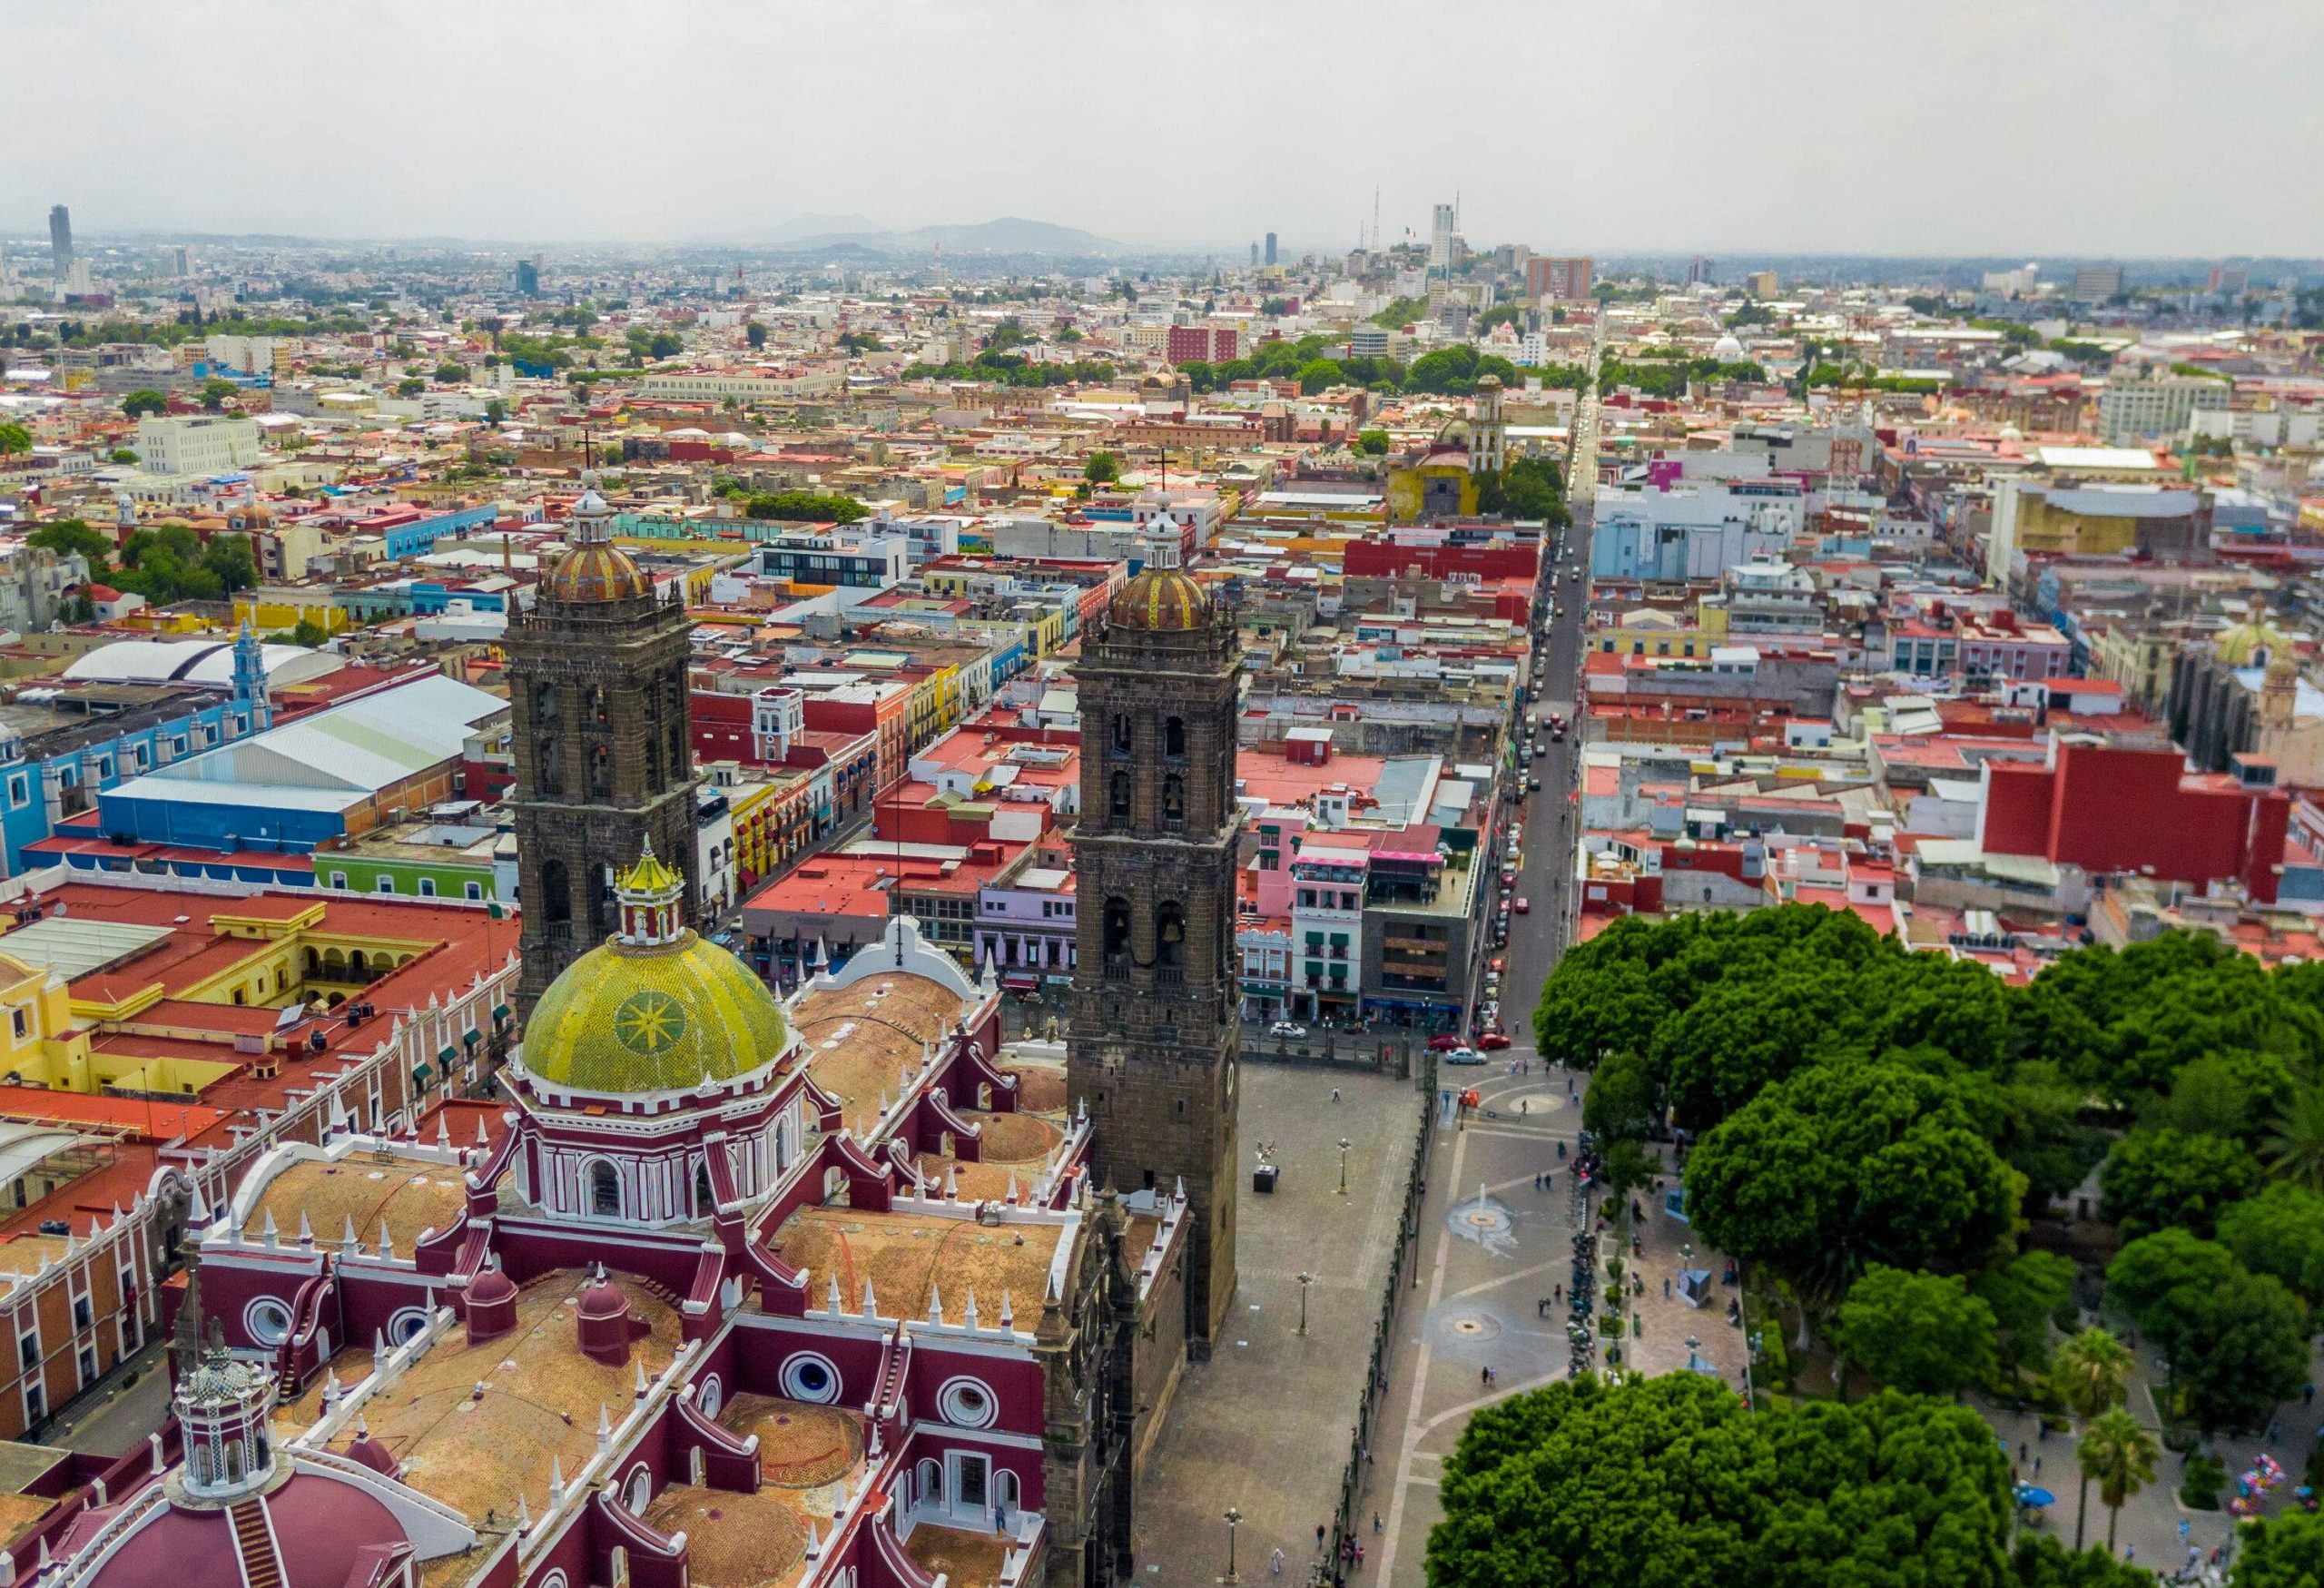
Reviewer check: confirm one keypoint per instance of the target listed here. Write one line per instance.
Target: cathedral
(726, 1291)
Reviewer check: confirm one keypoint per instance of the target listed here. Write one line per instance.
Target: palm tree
(2122, 1456)
(2093, 1372)
(2294, 1150)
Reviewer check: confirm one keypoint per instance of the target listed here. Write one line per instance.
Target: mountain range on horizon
(1008, 234)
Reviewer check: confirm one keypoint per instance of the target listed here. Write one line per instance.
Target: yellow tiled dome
(1162, 600)
(597, 572)
(654, 1009)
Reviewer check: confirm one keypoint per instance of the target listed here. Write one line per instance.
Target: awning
(473, 1037)
(500, 1012)
(420, 1075)
(1020, 981)
(448, 1055)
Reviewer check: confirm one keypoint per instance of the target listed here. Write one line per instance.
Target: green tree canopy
(214, 393)
(2279, 1232)
(2040, 1561)
(2286, 1551)
(146, 400)
(2153, 1178)
(14, 439)
(1916, 1332)
(74, 537)
(1372, 443)
(2238, 1341)
(2024, 1294)
(1670, 1481)
(1102, 469)
(755, 334)
(2120, 1455)
(1318, 375)
(1848, 1164)
(807, 506)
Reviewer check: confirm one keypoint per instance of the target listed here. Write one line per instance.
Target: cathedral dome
(595, 569)
(655, 1009)
(1162, 600)
(2253, 642)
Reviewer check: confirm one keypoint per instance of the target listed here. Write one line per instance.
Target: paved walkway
(1264, 1425)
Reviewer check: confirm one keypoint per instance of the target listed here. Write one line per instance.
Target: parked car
(1465, 1056)
(1489, 1041)
(1444, 1042)
(1284, 1027)
(1524, 905)
(1533, 785)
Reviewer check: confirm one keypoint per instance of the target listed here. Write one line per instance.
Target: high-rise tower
(1157, 1007)
(597, 699)
(60, 241)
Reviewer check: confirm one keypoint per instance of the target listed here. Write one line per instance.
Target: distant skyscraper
(528, 276)
(1440, 237)
(60, 239)
(184, 263)
(1698, 272)
(1254, 256)
(1270, 248)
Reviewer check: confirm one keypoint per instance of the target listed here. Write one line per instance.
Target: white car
(1465, 1056)
(1284, 1027)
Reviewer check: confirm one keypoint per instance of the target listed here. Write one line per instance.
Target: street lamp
(1234, 1521)
(1305, 1280)
(1344, 1144)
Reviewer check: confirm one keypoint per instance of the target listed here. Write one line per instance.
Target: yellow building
(1439, 486)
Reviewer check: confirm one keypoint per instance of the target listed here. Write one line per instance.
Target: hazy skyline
(2130, 127)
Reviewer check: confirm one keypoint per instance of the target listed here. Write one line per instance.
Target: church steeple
(225, 1407)
(250, 679)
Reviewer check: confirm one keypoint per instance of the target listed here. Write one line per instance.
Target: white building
(1696, 531)
(196, 443)
(2139, 405)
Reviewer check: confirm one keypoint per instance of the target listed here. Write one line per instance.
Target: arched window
(601, 770)
(202, 1464)
(546, 705)
(605, 1189)
(1170, 936)
(548, 763)
(641, 1490)
(555, 901)
(1174, 800)
(1117, 932)
(234, 1461)
(1174, 737)
(1123, 734)
(1117, 797)
(703, 1198)
(597, 712)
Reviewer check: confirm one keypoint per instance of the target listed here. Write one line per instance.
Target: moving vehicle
(1533, 785)
(1489, 1041)
(1524, 905)
(1444, 1042)
(1465, 1056)
(1284, 1027)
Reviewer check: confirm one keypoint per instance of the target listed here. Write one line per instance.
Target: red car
(1524, 905)
(1444, 1044)
(1489, 1041)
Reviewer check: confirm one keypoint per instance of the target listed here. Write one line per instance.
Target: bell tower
(1157, 1003)
(605, 768)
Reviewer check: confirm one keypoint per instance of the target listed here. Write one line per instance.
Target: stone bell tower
(1156, 1005)
(605, 767)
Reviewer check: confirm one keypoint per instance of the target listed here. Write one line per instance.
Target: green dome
(639, 1017)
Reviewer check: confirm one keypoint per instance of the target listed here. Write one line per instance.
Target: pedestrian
(1319, 1536)
(1375, 1521)
(2037, 1466)
(1275, 1563)
(2182, 1530)
(1335, 1094)
(2130, 1552)
(2308, 1394)
(1484, 1377)
(1666, 1286)
(2022, 1453)
(1569, 1086)
(1359, 1557)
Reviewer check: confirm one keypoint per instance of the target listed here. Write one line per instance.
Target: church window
(1174, 737)
(557, 893)
(1122, 734)
(546, 705)
(1174, 800)
(1170, 936)
(601, 770)
(1117, 797)
(1117, 932)
(598, 712)
(605, 1189)
(548, 761)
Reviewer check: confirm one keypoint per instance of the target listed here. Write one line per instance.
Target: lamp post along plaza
(1304, 1281)
(1234, 1521)
(1344, 1144)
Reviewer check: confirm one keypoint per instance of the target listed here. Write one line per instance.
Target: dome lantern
(649, 892)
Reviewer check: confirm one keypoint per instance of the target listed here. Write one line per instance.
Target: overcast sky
(2138, 127)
